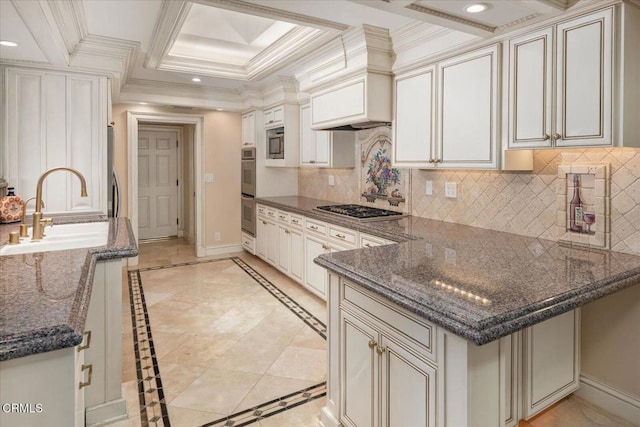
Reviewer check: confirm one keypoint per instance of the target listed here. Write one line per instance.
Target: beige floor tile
(247, 356)
(182, 417)
(165, 342)
(217, 391)
(577, 412)
(176, 378)
(307, 415)
(201, 350)
(269, 388)
(301, 363)
(309, 338)
(130, 394)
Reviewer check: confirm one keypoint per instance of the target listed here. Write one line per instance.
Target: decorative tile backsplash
(524, 203)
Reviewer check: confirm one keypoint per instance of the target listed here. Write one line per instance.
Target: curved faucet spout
(38, 222)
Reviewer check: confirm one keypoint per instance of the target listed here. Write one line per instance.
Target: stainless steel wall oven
(248, 189)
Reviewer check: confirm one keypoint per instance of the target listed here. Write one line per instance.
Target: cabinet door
(268, 117)
(278, 115)
(468, 103)
(530, 96)
(583, 110)
(323, 148)
(262, 235)
(307, 140)
(359, 373)
(551, 367)
(296, 257)
(414, 119)
(315, 276)
(272, 243)
(408, 386)
(283, 248)
(249, 129)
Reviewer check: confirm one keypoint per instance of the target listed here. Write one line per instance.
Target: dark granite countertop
(44, 296)
(479, 284)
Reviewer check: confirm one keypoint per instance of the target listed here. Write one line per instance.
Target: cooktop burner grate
(359, 211)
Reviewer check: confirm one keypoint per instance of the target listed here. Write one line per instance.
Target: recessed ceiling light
(143, 103)
(476, 8)
(8, 43)
(196, 79)
(219, 109)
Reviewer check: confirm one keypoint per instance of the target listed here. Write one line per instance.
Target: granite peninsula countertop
(44, 296)
(479, 284)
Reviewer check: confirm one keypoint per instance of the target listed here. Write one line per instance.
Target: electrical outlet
(208, 177)
(450, 255)
(216, 236)
(428, 188)
(332, 180)
(451, 190)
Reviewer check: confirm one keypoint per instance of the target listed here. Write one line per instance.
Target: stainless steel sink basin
(63, 236)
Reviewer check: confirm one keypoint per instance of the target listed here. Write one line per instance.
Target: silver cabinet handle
(88, 342)
(312, 161)
(367, 245)
(83, 384)
(281, 216)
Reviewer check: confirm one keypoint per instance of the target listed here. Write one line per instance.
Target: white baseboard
(221, 250)
(609, 398)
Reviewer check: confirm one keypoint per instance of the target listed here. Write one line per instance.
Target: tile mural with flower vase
(380, 181)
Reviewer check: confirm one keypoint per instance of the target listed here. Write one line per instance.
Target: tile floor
(224, 345)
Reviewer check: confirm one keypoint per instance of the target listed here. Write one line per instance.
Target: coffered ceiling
(154, 47)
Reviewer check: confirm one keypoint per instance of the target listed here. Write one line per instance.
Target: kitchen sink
(62, 236)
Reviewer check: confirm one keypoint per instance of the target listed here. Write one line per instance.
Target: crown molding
(170, 19)
(488, 29)
(181, 94)
(277, 14)
(70, 21)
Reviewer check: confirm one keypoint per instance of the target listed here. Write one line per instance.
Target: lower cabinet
(315, 276)
(272, 243)
(296, 251)
(261, 237)
(402, 383)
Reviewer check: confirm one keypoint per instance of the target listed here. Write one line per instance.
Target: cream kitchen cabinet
(261, 237)
(104, 400)
(249, 243)
(324, 148)
(274, 117)
(249, 129)
(446, 115)
(315, 244)
(282, 121)
(56, 119)
(582, 70)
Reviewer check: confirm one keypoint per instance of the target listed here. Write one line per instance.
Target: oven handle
(244, 196)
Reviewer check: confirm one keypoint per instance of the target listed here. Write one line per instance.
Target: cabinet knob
(381, 350)
(312, 161)
(557, 136)
(367, 245)
(286, 231)
(340, 236)
(372, 344)
(264, 222)
(545, 137)
(431, 161)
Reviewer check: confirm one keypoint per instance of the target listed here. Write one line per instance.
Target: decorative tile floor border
(153, 407)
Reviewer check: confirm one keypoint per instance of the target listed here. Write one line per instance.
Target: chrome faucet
(23, 219)
(40, 223)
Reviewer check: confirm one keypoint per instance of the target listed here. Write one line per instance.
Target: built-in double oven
(249, 190)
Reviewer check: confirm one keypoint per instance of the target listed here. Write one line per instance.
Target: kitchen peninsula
(60, 330)
(454, 325)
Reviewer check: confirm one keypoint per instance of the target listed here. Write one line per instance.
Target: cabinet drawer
(272, 213)
(296, 221)
(368, 241)
(261, 209)
(399, 322)
(316, 227)
(343, 235)
(283, 217)
(249, 243)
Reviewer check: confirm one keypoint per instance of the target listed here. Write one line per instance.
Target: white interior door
(157, 183)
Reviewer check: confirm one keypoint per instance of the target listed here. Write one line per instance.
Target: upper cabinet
(324, 148)
(274, 117)
(249, 129)
(446, 115)
(562, 88)
(54, 119)
(282, 136)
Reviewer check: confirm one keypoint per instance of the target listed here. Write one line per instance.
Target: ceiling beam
(40, 20)
(170, 20)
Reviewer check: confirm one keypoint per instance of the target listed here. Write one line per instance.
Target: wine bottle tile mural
(583, 204)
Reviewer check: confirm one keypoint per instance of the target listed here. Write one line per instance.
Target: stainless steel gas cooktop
(361, 212)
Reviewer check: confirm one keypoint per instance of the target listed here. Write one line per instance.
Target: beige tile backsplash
(515, 202)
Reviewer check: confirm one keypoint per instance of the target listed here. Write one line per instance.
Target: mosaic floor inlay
(153, 405)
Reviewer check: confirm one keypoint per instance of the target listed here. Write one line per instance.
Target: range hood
(359, 126)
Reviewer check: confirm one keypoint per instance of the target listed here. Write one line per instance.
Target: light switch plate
(451, 190)
(428, 188)
(208, 177)
(332, 180)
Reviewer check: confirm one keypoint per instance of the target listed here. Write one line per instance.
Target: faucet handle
(46, 222)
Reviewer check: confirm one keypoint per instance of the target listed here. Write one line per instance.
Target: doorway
(191, 162)
(159, 182)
